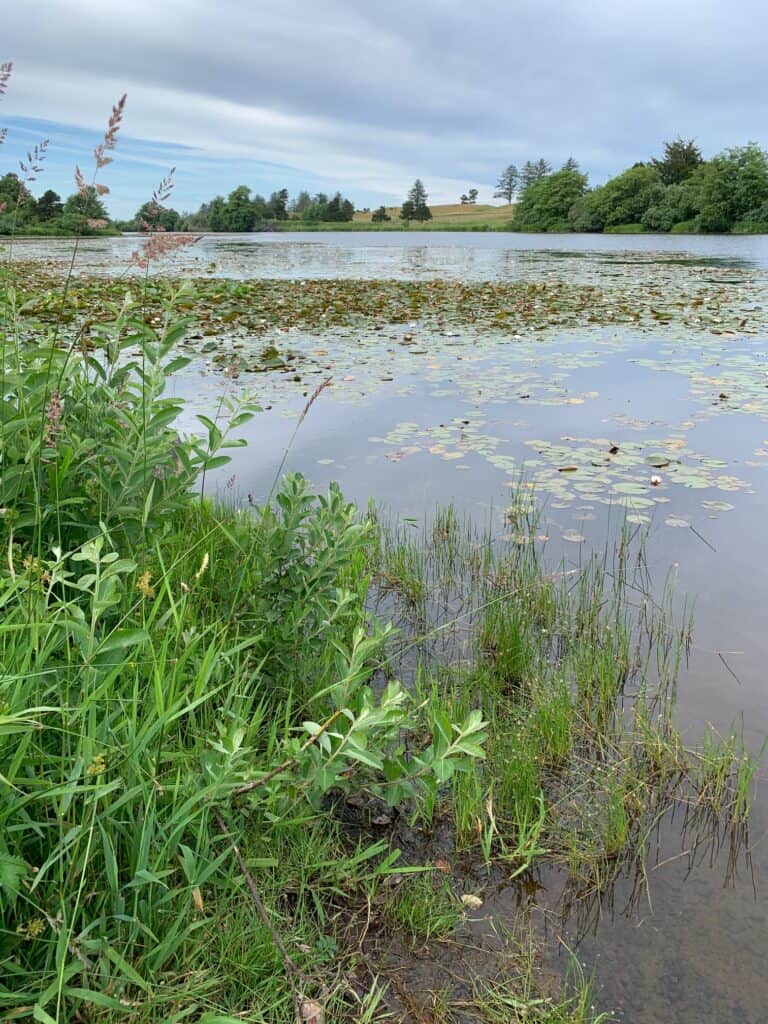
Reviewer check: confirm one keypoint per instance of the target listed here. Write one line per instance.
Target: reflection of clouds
(484, 256)
(414, 260)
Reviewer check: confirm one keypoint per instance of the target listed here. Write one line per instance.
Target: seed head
(97, 766)
(5, 74)
(53, 420)
(158, 245)
(144, 585)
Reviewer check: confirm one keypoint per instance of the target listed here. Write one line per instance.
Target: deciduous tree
(544, 205)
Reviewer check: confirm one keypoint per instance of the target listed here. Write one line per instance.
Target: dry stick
(720, 656)
(292, 971)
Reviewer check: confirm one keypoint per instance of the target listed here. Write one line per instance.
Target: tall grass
(575, 670)
(159, 658)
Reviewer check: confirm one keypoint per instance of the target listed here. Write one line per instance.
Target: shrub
(544, 205)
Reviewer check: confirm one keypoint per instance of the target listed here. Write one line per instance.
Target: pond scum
(230, 791)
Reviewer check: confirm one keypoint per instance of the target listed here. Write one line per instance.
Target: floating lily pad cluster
(241, 312)
(637, 475)
(474, 350)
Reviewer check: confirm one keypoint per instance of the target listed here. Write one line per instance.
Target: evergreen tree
(380, 215)
(472, 196)
(49, 205)
(508, 184)
(278, 205)
(333, 209)
(417, 197)
(533, 172)
(300, 203)
(407, 211)
(339, 209)
(680, 160)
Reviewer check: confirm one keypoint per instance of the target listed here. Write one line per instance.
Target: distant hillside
(455, 213)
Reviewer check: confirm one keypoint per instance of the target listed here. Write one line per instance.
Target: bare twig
(291, 970)
(255, 783)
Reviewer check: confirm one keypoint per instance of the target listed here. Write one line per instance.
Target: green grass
(627, 229)
(423, 907)
(577, 683)
(447, 217)
(175, 673)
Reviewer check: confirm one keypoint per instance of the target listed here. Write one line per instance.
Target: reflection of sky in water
(414, 254)
(414, 437)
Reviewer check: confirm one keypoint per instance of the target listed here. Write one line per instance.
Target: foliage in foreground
(163, 664)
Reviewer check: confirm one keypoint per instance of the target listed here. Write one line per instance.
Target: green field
(461, 215)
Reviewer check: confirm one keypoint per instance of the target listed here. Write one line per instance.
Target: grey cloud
(431, 87)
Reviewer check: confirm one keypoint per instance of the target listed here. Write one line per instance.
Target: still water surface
(413, 254)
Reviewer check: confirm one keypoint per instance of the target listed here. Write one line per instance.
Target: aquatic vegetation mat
(489, 367)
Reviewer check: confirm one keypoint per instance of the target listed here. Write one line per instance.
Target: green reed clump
(575, 670)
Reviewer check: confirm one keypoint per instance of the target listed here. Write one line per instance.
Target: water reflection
(416, 255)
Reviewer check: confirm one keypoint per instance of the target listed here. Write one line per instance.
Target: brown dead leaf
(310, 1012)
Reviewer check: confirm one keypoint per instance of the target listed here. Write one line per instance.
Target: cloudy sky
(365, 95)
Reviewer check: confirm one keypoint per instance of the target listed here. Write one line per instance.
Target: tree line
(679, 192)
(22, 213)
(243, 211)
(240, 211)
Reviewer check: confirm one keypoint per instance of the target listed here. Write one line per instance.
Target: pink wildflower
(34, 164)
(110, 136)
(96, 223)
(82, 184)
(53, 420)
(164, 189)
(156, 246)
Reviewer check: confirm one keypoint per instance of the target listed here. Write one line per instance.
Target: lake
(414, 254)
(664, 421)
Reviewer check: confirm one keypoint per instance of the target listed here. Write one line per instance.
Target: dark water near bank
(417, 419)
